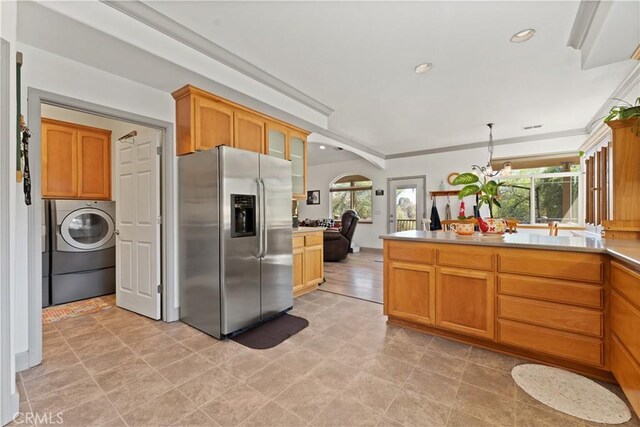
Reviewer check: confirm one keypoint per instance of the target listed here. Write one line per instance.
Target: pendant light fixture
(487, 171)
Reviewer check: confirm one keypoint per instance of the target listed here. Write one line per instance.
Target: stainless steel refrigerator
(235, 251)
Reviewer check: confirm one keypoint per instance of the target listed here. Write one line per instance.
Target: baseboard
(22, 361)
(173, 314)
(15, 408)
(371, 250)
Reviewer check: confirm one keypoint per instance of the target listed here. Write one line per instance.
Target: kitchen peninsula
(569, 301)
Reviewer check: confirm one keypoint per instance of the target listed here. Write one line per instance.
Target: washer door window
(87, 229)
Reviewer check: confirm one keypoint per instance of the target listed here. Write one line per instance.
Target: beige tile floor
(347, 368)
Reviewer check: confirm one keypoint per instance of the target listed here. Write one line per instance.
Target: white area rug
(571, 393)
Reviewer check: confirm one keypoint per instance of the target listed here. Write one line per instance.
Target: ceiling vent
(532, 127)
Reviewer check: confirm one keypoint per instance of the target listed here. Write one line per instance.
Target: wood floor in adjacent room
(358, 276)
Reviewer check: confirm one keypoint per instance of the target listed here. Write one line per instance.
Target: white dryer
(83, 249)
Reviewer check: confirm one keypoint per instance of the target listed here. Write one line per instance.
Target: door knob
(117, 232)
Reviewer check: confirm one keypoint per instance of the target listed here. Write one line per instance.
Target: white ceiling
(358, 58)
(330, 154)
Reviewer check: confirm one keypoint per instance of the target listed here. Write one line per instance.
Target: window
(352, 192)
(538, 195)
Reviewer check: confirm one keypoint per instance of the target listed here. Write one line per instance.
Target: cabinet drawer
(563, 344)
(625, 323)
(626, 371)
(626, 283)
(584, 294)
(298, 241)
(313, 239)
(558, 316)
(409, 251)
(465, 257)
(555, 264)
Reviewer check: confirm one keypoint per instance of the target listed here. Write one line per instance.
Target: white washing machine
(83, 249)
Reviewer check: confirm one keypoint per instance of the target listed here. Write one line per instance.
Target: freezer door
(198, 251)
(276, 268)
(240, 243)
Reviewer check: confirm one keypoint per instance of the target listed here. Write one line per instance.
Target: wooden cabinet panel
(59, 160)
(410, 251)
(625, 282)
(314, 239)
(298, 271)
(625, 323)
(465, 301)
(557, 316)
(94, 164)
(313, 268)
(466, 257)
(249, 132)
(626, 371)
(298, 242)
(554, 264)
(213, 124)
(411, 292)
(563, 344)
(76, 161)
(587, 295)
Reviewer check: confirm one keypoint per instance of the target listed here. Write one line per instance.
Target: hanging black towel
(435, 218)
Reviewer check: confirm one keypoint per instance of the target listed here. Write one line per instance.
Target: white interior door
(406, 204)
(138, 224)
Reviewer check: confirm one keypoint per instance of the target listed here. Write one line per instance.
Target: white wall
(435, 167)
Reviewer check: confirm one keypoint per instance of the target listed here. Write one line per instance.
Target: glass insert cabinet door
(277, 140)
(298, 152)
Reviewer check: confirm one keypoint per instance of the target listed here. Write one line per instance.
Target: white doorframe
(38, 97)
(9, 398)
(390, 196)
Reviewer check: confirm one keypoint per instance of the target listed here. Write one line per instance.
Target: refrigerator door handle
(263, 209)
(260, 206)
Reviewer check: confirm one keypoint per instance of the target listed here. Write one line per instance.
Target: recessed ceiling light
(522, 36)
(322, 147)
(423, 68)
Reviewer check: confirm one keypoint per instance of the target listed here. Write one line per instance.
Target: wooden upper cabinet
(94, 164)
(465, 301)
(213, 124)
(76, 161)
(201, 123)
(298, 157)
(249, 132)
(59, 160)
(277, 141)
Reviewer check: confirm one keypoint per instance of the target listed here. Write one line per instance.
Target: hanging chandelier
(487, 171)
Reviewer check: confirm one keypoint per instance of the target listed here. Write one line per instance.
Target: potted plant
(626, 111)
(486, 192)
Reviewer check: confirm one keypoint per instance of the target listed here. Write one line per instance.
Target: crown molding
(482, 144)
(623, 89)
(171, 28)
(582, 24)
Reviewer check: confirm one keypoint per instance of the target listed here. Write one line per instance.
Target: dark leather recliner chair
(337, 243)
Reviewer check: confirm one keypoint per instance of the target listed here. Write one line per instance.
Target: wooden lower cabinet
(299, 282)
(465, 301)
(412, 293)
(624, 349)
(308, 262)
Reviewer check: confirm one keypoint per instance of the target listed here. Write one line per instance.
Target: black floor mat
(272, 332)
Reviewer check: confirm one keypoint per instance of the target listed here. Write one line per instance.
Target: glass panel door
(277, 142)
(406, 204)
(297, 153)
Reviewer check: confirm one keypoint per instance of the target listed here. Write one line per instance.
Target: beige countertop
(307, 229)
(625, 250)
